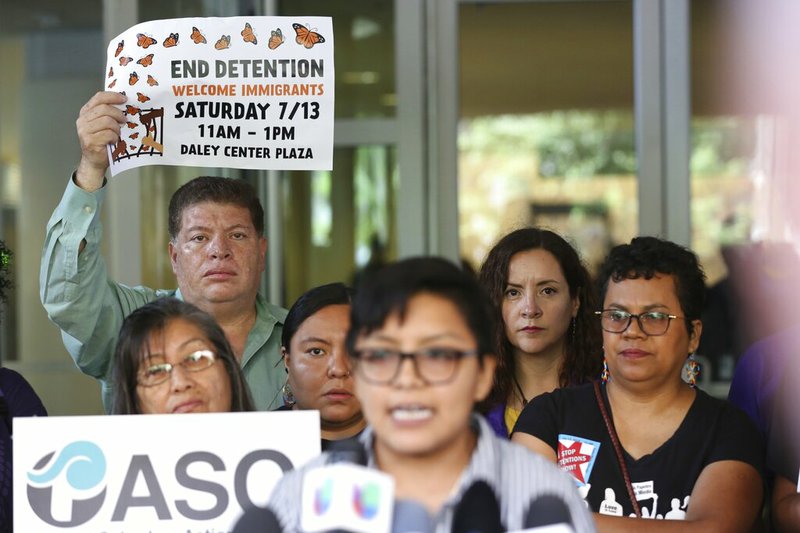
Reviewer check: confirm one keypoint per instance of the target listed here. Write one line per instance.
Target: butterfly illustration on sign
(223, 43)
(171, 40)
(144, 40)
(146, 61)
(306, 36)
(147, 123)
(197, 37)
(248, 35)
(275, 39)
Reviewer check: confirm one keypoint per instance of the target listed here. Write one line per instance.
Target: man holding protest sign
(216, 247)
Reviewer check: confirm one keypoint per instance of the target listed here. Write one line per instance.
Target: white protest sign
(155, 473)
(235, 92)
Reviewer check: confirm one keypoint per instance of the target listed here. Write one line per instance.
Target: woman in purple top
(547, 336)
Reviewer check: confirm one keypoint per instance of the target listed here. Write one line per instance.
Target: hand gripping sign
(236, 92)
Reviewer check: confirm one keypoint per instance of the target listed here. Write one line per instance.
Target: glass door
(546, 123)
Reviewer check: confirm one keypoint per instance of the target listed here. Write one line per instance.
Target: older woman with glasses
(171, 357)
(645, 444)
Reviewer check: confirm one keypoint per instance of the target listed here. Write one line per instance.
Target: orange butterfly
(111, 85)
(129, 109)
(275, 39)
(125, 60)
(119, 47)
(142, 98)
(151, 80)
(223, 43)
(197, 37)
(133, 135)
(133, 78)
(171, 41)
(247, 33)
(110, 71)
(146, 61)
(306, 37)
(132, 125)
(144, 40)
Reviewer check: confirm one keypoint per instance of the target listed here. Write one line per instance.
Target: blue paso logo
(84, 466)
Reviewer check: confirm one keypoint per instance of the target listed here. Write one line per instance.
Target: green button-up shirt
(89, 307)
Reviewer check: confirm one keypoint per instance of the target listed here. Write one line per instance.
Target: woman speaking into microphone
(421, 348)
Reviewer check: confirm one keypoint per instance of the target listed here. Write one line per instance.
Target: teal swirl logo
(83, 465)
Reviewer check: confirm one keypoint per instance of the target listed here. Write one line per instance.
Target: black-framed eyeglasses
(653, 323)
(434, 366)
(157, 373)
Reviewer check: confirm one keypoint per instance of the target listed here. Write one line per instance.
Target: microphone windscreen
(547, 510)
(258, 520)
(410, 517)
(478, 511)
(347, 451)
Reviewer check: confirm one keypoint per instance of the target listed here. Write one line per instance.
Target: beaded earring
(288, 396)
(691, 370)
(605, 375)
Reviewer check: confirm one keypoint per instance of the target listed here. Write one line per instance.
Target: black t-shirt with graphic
(570, 421)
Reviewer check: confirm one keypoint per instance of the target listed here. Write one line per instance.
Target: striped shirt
(516, 475)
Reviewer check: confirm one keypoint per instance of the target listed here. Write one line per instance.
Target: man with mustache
(216, 247)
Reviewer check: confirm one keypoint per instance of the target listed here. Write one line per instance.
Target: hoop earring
(691, 369)
(605, 375)
(288, 395)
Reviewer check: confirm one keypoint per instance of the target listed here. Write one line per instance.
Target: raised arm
(98, 126)
(73, 281)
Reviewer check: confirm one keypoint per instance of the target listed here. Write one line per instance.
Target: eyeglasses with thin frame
(434, 366)
(653, 323)
(157, 373)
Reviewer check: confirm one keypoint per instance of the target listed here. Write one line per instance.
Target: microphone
(548, 514)
(347, 451)
(345, 495)
(258, 520)
(478, 511)
(410, 517)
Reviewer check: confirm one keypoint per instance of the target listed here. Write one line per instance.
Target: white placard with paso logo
(234, 92)
(154, 473)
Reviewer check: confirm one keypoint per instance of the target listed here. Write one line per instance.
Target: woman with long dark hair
(546, 335)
